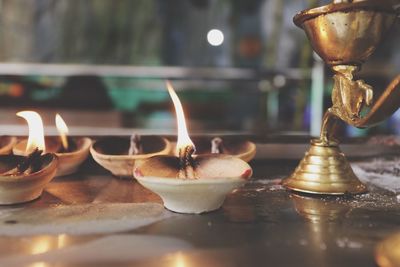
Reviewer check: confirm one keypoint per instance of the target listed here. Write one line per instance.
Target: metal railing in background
(145, 71)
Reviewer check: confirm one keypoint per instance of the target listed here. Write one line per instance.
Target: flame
(179, 260)
(41, 245)
(62, 241)
(183, 136)
(62, 130)
(36, 132)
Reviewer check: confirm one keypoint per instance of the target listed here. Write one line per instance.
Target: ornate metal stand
(344, 34)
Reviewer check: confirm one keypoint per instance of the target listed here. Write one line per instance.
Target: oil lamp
(71, 152)
(344, 34)
(6, 144)
(189, 183)
(119, 154)
(240, 148)
(22, 178)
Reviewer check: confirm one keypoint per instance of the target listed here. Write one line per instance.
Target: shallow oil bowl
(191, 196)
(218, 176)
(24, 188)
(240, 148)
(68, 162)
(112, 153)
(346, 34)
(6, 144)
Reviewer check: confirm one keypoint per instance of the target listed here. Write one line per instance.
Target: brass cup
(346, 34)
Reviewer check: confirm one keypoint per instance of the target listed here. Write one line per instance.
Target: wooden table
(260, 224)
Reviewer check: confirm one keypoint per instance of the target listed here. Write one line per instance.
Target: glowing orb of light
(215, 37)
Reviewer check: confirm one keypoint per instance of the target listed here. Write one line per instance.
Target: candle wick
(216, 145)
(30, 164)
(135, 147)
(187, 164)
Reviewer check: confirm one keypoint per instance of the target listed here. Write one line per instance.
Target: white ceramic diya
(119, 154)
(71, 151)
(6, 144)
(214, 176)
(188, 183)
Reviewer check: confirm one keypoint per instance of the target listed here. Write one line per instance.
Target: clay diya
(119, 154)
(23, 178)
(239, 148)
(6, 144)
(189, 183)
(71, 151)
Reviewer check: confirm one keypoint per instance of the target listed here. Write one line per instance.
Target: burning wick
(184, 145)
(186, 163)
(30, 164)
(63, 131)
(135, 147)
(36, 132)
(35, 145)
(216, 145)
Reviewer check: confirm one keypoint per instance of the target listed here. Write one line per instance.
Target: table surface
(260, 224)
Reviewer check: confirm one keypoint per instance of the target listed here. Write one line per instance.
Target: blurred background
(239, 66)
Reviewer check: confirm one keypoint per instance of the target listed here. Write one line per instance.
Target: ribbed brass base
(324, 170)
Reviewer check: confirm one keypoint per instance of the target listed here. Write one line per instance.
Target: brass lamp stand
(344, 34)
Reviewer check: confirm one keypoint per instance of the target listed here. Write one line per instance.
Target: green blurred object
(128, 93)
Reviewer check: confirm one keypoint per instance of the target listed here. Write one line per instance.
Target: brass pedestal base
(324, 170)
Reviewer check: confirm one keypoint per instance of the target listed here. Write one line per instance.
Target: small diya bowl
(23, 187)
(218, 175)
(68, 160)
(6, 144)
(240, 148)
(112, 153)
